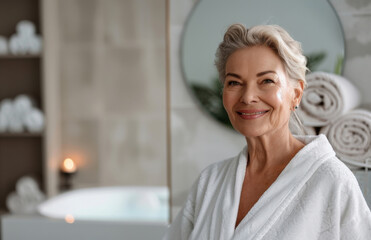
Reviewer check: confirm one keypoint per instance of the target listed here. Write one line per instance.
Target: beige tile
(113, 90)
(152, 20)
(77, 83)
(133, 151)
(155, 78)
(134, 22)
(122, 82)
(77, 20)
(121, 23)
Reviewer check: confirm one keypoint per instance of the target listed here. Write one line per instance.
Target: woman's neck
(269, 152)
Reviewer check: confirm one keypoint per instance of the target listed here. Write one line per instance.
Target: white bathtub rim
(48, 208)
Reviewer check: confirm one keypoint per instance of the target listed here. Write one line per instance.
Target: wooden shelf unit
(20, 153)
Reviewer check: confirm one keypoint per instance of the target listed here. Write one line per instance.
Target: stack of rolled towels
(24, 41)
(26, 197)
(20, 115)
(330, 106)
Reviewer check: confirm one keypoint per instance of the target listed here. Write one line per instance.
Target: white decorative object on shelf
(6, 107)
(34, 121)
(26, 198)
(15, 124)
(25, 41)
(22, 105)
(19, 115)
(3, 46)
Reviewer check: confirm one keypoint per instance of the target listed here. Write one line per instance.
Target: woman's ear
(298, 92)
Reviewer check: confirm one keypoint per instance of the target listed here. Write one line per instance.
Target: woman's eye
(268, 81)
(233, 83)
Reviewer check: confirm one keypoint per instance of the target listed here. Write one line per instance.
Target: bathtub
(94, 213)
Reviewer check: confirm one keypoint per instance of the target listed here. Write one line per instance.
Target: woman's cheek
(279, 96)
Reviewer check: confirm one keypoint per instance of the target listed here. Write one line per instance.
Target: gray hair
(273, 36)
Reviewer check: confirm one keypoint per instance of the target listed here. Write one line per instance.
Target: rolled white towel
(15, 124)
(23, 205)
(326, 97)
(6, 106)
(34, 121)
(350, 135)
(10, 119)
(27, 186)
(14, 203)
(26, 40)
(15, 45)
(22, 104)
(3, 46)
(25, 28)
(26, 198)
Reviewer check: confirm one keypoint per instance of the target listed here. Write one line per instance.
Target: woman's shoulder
(335, 172)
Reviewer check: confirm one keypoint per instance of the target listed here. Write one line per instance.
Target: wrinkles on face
(256, 81)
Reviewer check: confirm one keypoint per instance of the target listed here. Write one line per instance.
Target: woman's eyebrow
(265, 72)
(258, 74)
(233, 75)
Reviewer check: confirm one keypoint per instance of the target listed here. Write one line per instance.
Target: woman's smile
(251, 114)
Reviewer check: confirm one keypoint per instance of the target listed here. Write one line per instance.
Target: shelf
(24, 134)
(10, 56)
(20, 153)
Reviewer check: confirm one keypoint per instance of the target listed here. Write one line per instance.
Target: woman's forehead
(254, 60)
(254, 56)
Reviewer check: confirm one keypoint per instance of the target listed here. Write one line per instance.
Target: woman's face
(257, 94)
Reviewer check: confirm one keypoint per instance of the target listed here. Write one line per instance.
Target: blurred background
(100, 83)
(109, 85)
(104, 62)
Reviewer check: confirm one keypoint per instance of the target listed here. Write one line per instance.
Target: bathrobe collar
(278, 196)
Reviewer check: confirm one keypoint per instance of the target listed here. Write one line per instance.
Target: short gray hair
(273, 36)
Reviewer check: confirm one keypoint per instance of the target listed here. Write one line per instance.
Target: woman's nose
(249, 95)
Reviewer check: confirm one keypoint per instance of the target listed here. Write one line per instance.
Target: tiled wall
(198, 140)
(355, 16)
(112, 71)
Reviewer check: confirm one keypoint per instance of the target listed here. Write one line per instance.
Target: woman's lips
(251, 114)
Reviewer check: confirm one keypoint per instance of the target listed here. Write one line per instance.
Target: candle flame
(69, 165)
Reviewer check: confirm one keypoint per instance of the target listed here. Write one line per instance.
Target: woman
(279, 186)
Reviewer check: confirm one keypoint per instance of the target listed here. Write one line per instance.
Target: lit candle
(68, 166)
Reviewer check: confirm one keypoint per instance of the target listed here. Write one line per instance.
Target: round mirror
(313, 23)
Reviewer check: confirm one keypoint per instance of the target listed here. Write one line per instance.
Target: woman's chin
(251, 132)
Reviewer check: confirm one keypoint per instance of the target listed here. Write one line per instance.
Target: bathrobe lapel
(276, 198)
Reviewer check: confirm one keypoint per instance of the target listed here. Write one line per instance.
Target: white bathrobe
(315, 197)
